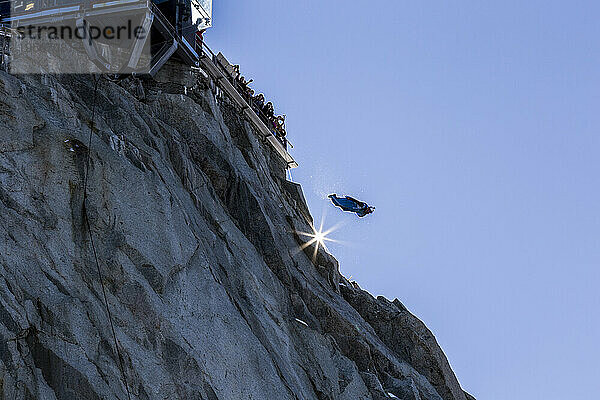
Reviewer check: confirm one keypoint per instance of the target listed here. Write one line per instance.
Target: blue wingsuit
(351, 204)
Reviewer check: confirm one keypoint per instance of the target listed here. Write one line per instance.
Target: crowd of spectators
(265, 111)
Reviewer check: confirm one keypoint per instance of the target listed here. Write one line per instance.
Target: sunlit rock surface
(193, 223)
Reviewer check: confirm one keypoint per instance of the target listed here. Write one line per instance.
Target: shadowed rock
(193, 224)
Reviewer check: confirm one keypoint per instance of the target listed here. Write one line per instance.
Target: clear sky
(474, 127)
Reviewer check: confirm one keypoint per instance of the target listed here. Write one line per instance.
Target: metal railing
(202, 49)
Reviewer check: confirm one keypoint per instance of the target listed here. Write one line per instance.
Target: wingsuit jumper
(352, 205)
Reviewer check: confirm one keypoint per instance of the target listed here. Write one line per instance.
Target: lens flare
(318, 238)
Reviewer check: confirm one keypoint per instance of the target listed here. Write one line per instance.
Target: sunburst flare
(319, 238)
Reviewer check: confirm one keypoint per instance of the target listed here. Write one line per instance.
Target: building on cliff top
(174, 29)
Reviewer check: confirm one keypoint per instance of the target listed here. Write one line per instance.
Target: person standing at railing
(244, 89)
(280, 124)
(264, 113)
(200, 39)
(243, 83)
(249, 95)
(280, 132)
(269, 111)
(258, 102)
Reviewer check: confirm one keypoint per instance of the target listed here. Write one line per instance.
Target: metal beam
(138, 46)
(163, 56)
(90, 48)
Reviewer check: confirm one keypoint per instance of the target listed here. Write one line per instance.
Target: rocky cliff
(193, 225)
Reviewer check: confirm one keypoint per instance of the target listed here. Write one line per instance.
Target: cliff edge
(192, 222)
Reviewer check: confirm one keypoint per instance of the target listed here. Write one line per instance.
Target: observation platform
(171, 34)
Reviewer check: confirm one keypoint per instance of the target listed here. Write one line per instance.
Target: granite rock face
(193, 225)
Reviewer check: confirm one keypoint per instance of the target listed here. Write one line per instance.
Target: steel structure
(170, 22)
(174, 25)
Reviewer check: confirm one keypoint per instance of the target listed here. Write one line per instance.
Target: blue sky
(474, 127)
